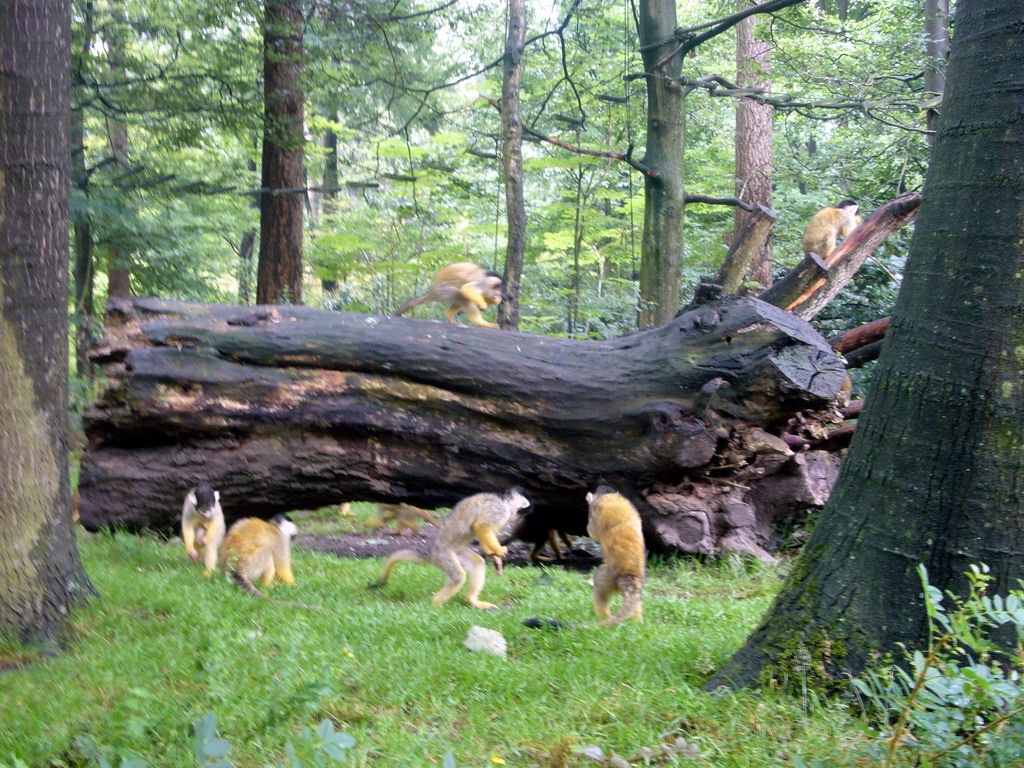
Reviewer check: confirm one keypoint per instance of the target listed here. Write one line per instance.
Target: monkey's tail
(410, 304)
(247, 586)
(408, 555)
(427, 517)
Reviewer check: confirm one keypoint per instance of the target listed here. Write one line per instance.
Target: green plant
(960, 702)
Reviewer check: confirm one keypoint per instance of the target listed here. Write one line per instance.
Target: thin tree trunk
(935, 473)
(84, 307)
(119, 276)
(41, 574)
(330, 183)
(661, 260)
(512, 163)
(248, 246)
(753, 138)
(936, 30)
(279, 278)
(577, 245)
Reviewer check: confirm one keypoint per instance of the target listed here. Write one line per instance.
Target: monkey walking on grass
(613, 523)
(406, 517)
(202, 524)
(255, 549)
(481, 517)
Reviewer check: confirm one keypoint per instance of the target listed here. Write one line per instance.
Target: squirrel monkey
(614, 524)
(202, 524)
(405, 517)
(479, 516)
(465, 287)
(829, 223)
(255, 549)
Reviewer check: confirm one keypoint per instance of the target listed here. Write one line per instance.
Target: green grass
(163, 646)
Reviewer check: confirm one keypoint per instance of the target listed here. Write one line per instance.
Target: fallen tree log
(285, 408)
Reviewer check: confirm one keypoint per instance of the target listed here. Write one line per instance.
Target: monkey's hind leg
(455, 576)
(477, 573)
(604, 586)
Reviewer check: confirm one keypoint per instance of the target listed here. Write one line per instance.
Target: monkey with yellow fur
(202, 524)
(465, 287)
(614, 524)
(406, 517)
(481, 517)
(255, 549)
(828, 224)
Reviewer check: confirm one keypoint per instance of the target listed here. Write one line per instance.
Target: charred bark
(289, 408)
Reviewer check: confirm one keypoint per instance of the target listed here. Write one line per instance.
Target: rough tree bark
(41, 574)
(284, 408)
(935, 474)
(279, 272)
(512, 163)
(753, 140)
(661, 257)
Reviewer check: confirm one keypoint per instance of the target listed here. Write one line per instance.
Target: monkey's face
(286, 526)
(493, 291)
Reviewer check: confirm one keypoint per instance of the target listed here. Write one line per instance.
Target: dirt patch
(583, 557)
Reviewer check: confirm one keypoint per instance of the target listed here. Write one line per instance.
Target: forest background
(402, 149)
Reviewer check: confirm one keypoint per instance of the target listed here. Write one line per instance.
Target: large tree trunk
(661, 259)
(41, 575)
(934, 474)
(512, 163)
(753, 142)
(279, 277)
(285, 408)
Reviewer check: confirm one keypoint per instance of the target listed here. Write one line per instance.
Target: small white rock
(487, 640)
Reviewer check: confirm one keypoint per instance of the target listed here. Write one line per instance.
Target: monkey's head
(516, 497)
(848, 204)
(206, 498)
(494, 288)
(601, 490)
(285, 525)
